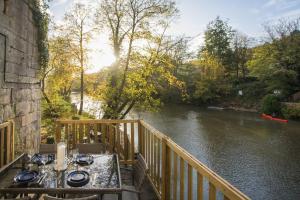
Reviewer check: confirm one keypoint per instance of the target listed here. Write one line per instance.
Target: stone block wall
(20, 94)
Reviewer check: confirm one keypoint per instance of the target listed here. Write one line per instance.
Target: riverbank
(252, 110)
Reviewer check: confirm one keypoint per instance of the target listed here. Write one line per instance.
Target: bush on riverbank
(291, 111)
(271, 105)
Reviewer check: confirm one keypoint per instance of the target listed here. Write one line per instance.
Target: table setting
(62, 172)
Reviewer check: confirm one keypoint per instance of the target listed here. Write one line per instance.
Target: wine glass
(30, 155)
(43, 161)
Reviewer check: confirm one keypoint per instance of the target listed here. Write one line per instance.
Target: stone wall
(19, 85)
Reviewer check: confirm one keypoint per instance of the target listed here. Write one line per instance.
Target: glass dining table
(99, 176)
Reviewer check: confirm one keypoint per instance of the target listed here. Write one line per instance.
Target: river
(259, 157)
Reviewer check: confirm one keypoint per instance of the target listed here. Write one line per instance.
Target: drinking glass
(43, 161)
(30, 155)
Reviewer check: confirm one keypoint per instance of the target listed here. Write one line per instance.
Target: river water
(259, 157)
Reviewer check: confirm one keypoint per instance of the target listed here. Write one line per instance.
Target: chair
(139, 172)
(95, 148)
(94, 197)
(47, 148)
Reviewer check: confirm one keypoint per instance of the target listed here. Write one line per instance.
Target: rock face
(19, 73)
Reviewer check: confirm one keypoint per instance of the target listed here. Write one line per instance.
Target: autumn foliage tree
(128, 21)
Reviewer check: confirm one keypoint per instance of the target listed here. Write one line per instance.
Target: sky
(246, 16)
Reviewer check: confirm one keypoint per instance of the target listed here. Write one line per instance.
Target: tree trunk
(82, 72)
(126, 65)
(128, 109)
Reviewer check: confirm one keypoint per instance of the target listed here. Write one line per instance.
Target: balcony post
(166, 170)
(140, 137)
(58, 132)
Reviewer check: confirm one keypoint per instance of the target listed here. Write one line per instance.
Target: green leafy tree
(241, 54)
(217, 41)
(277, 61)
(78, 28)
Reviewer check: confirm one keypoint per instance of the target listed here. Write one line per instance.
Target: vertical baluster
(66, 136)
(132, 141)
(158, 164)
(175, 164)
(166, 171)
(140, 137)
(80, 133)
(73, 134)
(151, 156)
(190, 182)
(118, 132)
(110, 131)
(143, 141)
(146, 142)
(148, 147)
(101, 129)
(12, 140)
(114, 129)
(58, 132)
(2, 147)
(88, 129)
(105, 126)
(8, 144)
(199, 186)
(155, 161)
(181, 179)
(125, 142)
(212, 192)
(103, 133)
(95, 129)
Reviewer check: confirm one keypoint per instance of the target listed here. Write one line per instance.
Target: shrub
(50, 140)
(210, 91)
(271, 105)
(291, 111)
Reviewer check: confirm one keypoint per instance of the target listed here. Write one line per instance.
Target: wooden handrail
(165, 171)
(96, 121)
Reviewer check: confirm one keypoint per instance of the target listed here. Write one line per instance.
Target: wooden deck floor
(147, 191)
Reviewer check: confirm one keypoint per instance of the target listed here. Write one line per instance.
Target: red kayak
(273, 118)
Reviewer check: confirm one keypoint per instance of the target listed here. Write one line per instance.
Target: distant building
(296, 97)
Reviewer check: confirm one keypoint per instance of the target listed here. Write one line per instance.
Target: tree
(78, 29)
(128, 20)
(217, 41)
(241, 53)
(62, 67)
(277, 61)
(150, 70)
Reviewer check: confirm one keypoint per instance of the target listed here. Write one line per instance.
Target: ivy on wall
(41, 19)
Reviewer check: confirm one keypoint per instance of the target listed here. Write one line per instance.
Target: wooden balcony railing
(6, 143)
(119, 135)
(172, 169)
